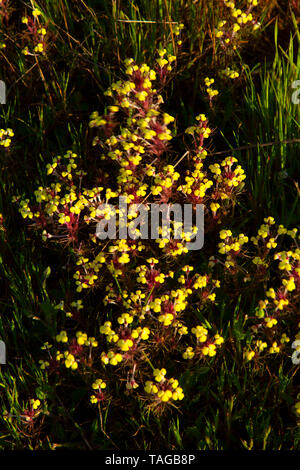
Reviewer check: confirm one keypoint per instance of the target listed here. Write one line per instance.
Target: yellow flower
(35, 404)
(39, 47)
(99, 384)
(289, 284)
(81, 338)
(274, 348)
(270, 322)
(70, 361)
(62, 337)
(159, 374)
(42, 31)
(249, 355)
(36, 12)
(189, 353)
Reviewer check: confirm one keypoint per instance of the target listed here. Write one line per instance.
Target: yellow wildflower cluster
(226, 183)
(197, 184)
(277, 302)
(151, 320)
(205, 286)
(87, 273)
(210, 91)
(83, 340)
(230, 73)
(227, 176)
(280, 302)
(177, 30)
(145, 136)
(111, 358)
(125, 340)
(163, 390)
(170, 306)
(70, 361)
(231, 246)
(164, 181)
(152, 303)
(74, 351)
(265, 232)
(227, 30)
(5, 137)
(260, 346)
(62, 202)
(204, 346)
(98, 386)
(36, 31)
(149, 275)
(165, 60)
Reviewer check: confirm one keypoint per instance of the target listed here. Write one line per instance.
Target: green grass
(272, 117)
(49, 101)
